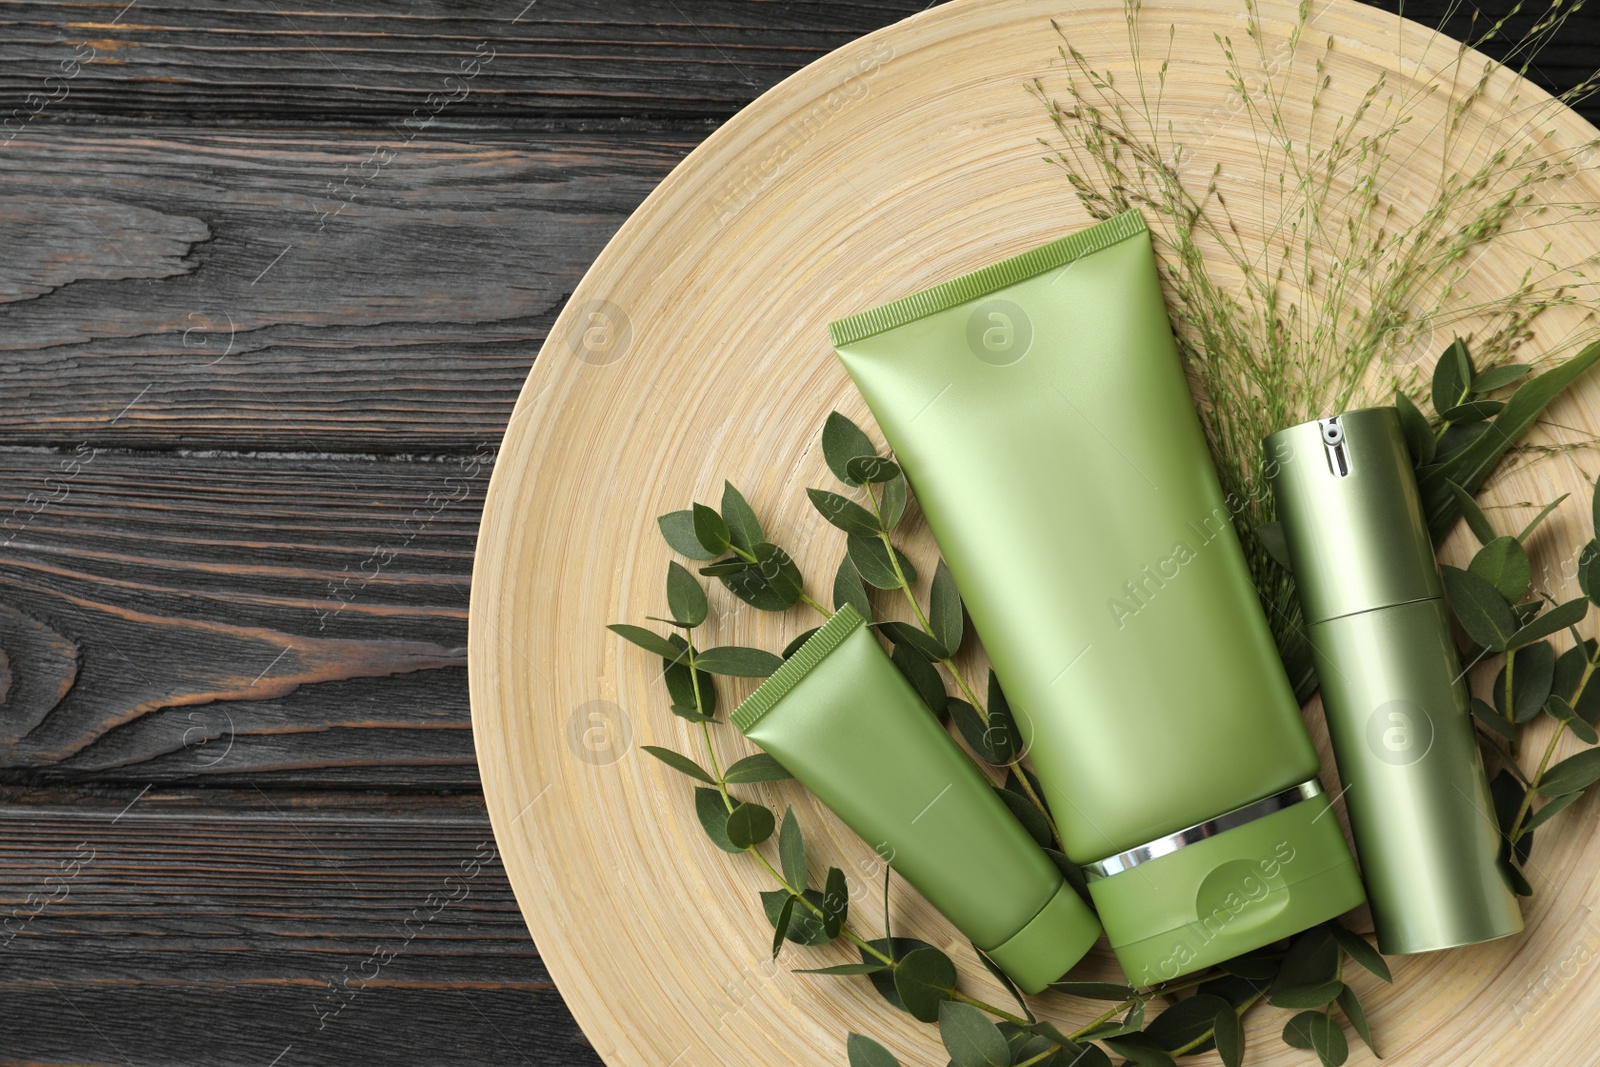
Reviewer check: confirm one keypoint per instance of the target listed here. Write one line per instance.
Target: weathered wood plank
(229, 930)
(475, 64)
(167, 616)
(348, 293)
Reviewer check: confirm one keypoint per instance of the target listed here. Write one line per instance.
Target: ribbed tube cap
(1351, 514)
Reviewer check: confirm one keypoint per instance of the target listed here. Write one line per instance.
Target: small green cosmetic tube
(844, 721)
(1040, 411)
(1393, 691)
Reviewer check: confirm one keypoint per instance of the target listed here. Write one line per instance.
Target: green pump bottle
(1393, 690)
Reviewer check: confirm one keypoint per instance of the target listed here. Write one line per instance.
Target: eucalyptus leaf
(865, 1052)
(844, 513)
(1453, 445)
(1508, 794)
(1589, 571)
(744, 529)
(1503, 563)
(1514, 878)
(1499, 377)
(970, 1038)
(1316, 1030)
(781, 926)
(1553, 621)
(896, 949)
(1544, 513)
(749, 824)
(835, 903)
(1094, 990)
(799, 642)
(924, 978)
(1297, 1031)
(847, 970)
(679, 762)
(1030, 817)
(1357, 1015)
(1493, 720)
(842, 441)
(681, 682)
(792, 852)
(1228, 1035)
(1452, 377)
(1189, 1020)
(1559, 709)
(779, 572)
(713, 816)
(944, 610)
(1533, 675)
(903, 633)
(1002, 977)
(1471, 466)
(871, 470)
(1550, 809)
(1361, 951)
(648, 640)
(892, 504)
(711, 530)
(974, 731)
(1473, 411)
(678, 528)
(872, 562)
(724, 567)
(849, 589)
(685, 599)
(1005, 735)
(1271, 536)
(735, 661)
(1139, 1049)
(1306, 996)
(684, 711)
(1312, 959)
(805, 928)
(757, 768)
(1477, 521)
(924, 678)
(1572, 774)
(1260, 965)
(1480, 608)
(1418, 434)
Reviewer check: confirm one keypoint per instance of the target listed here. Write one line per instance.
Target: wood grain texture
(268, 282)
(348, 293)
(900, 161)
(627, 60)
(205, 615)
(255, 926)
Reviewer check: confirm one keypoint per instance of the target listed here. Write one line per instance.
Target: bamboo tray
(695, 350)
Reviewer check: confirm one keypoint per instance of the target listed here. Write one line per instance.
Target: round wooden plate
(695, 350)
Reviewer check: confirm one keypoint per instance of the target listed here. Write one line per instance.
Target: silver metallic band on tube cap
(1165, 846)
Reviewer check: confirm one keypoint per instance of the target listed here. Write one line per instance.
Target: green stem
(705, 729)
(1533, 784)
(1000, 1013)
(1511, 710)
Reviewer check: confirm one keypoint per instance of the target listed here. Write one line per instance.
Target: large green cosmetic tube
(844, 721)
(1393, 690)
(1041, 413)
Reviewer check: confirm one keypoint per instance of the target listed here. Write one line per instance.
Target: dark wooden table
(270, 279)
